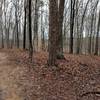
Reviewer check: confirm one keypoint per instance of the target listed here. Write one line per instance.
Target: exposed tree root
(61, 56)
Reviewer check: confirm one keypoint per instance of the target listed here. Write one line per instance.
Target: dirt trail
(8, 87)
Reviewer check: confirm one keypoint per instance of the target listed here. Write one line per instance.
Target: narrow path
(8, 87)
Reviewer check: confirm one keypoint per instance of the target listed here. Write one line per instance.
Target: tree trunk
(97, 36)
(53, 31)
(30, 32)
(72, 25)
(24, 34)
(60, 36)
(35, 40)
(17, 32)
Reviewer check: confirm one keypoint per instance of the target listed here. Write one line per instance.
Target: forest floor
(69, 80)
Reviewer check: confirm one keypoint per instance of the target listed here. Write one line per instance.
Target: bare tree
(30, 30)
(24, 29)
(72, 17)
(60, 36)
(97, 36)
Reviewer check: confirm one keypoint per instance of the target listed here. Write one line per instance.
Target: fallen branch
(87, 93)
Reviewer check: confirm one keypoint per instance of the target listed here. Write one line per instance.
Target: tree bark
(72, 15)
(24, 32)
(97, 36)
(30, 32)
(60, 35)
(53, 31)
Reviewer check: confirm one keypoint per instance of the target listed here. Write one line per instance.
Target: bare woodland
(56, 44)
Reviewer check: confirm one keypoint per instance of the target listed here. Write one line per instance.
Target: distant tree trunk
(72, 15)
(4, 19)
(24, 32)
(60, 35)
(91, 28)
(42, 32)
(2, 39)
(8, 31)
(43, 41)
(90, 32)
(1, 26)
(35, 40)
(17, 32)
(81, 29)
(13, 36)
(77, 26)
(53, 31)
(94, 32)
(97, 36)
(8, 38)
(30, 31)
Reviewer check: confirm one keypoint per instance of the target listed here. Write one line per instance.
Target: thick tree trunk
(53, 31)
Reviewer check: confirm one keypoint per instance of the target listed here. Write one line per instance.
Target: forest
(49, 49)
